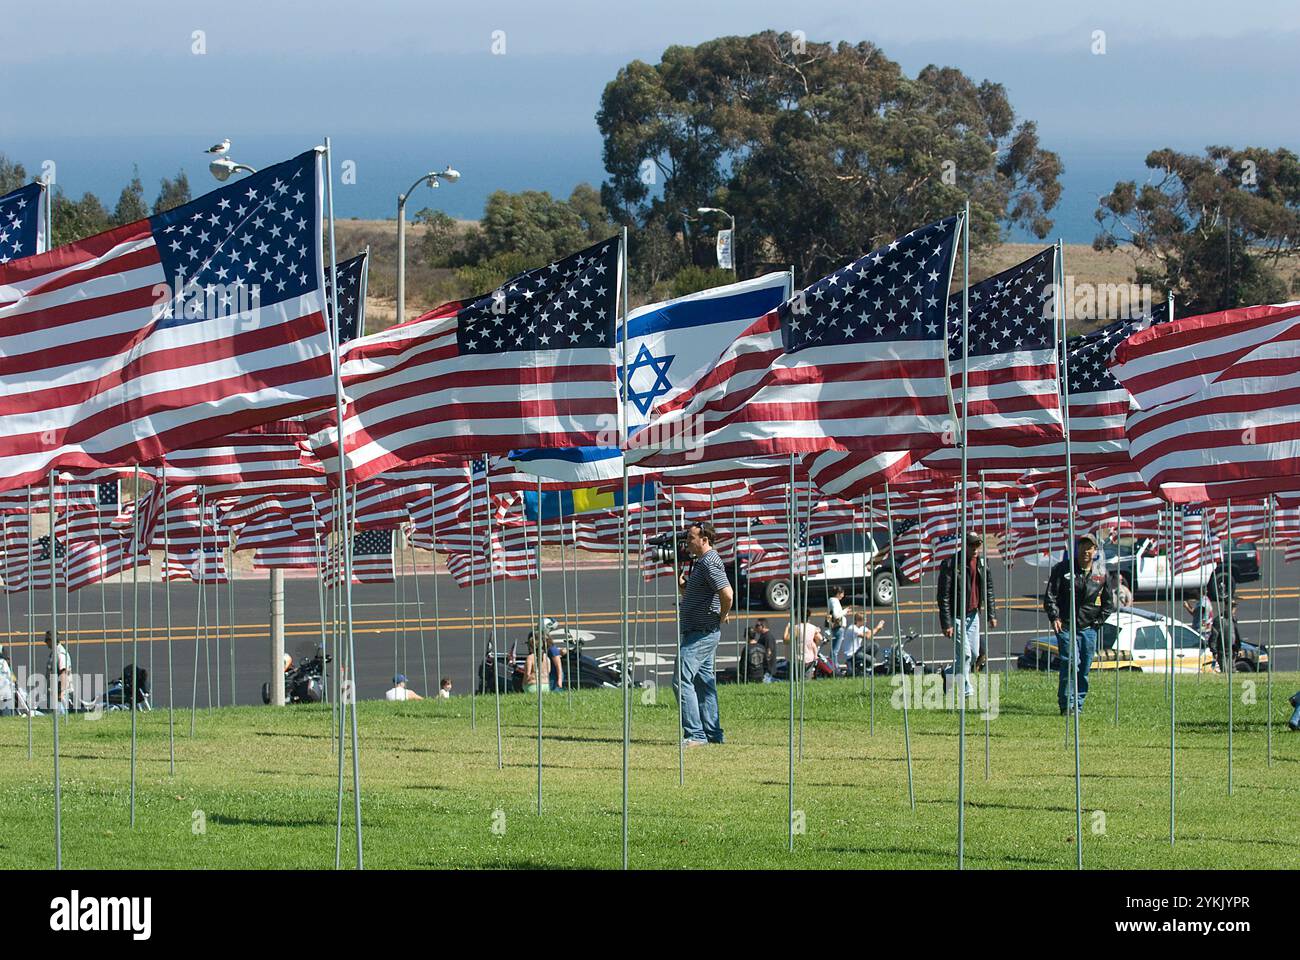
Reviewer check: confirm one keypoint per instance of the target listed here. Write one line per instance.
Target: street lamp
(733, 229)
(432, 178)
(222, 166)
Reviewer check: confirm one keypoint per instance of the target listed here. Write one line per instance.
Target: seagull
(219, 148)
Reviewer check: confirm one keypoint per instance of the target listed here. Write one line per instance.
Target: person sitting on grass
(444, 689)
(399, 691)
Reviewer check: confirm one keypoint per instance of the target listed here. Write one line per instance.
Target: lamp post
(733, 229)
(432, 179)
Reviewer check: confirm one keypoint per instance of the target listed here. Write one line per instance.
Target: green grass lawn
(265, 781)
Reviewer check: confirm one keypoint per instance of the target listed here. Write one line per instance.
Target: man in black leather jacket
(1094, 601)
(979, 594)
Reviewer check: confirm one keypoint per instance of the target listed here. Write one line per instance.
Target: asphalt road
(395, 633)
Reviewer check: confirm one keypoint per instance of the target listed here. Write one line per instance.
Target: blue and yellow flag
(584, 500)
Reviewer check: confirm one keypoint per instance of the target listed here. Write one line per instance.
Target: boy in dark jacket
(979, 594)
(1094, 601)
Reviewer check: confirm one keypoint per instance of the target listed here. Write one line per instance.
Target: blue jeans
(1087, 646)
(837, 643)
(698, 688)
(970, 648)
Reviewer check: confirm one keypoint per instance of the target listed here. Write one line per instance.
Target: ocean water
(386, 165)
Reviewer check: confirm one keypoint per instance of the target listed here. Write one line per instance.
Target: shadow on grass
(232, 821)
(982, 804)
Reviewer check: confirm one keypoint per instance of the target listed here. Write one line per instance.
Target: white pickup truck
(1144, 566)
(848, 559)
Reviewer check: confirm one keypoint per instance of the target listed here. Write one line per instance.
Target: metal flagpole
(56, 695)
(625, 682)
(135, 629)
(984, 674)
(437, 619)
(347, 553)
(167, 597)
(1007, 561)
(793, 662)
(1272, 619)
(568, 621)
(1119, 529)
(735, 578)
(1073, 706)
(679, 523)
(960, 634)
(31, 623)
(330, 695)
(1173, 699)
(473, 612)
(491, 570)
(540, 646)
(1227, 636)
(897, 658)
(198, 609)
(419, 615)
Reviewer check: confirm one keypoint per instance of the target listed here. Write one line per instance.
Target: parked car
(1144, 566)
(1132, 639)
(848, 559)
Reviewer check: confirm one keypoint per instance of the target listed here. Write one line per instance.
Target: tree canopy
(821, 151)
(1213, 230)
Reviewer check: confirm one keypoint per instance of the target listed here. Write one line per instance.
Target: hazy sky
(417, 84)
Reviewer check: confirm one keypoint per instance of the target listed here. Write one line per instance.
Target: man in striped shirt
(705, 605)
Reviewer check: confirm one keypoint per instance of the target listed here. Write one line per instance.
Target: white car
(1132, 639)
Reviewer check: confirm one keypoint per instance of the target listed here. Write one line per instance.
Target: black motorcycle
(888, 660)
(506, 670)
(304, 683)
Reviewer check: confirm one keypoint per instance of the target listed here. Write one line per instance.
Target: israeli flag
(670, 345)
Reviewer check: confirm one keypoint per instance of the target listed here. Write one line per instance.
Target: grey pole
(626, 680)
(276, 665)
(491, 570)
(31, 623)
(135, 629)
(1073, 707)
(1227, 635)
(540, 646)
(794, 644)
(959, 611)
(167, 597)
(898, 639)
(1272, 617)
(347, 553)
(55, 698)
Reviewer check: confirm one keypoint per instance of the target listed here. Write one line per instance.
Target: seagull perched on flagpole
(219, 148)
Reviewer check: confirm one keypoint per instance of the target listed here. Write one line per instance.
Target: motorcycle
(888, 660)
(303, 683)
(505, 670)
(134, 680)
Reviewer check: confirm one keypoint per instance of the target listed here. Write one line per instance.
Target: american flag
(198, 566)
(531, 364)
(494, 559)
(850, 473)
(1220, 404)
(1249, 520)
(351, 297)
(1099, 405)
(79, 564)
(168, 331)
(297, 555)
(857, 361)
(105, 519)
(22, 222)
(1195, 540)
(270, 456)
(1013, 375)
(372, 559)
